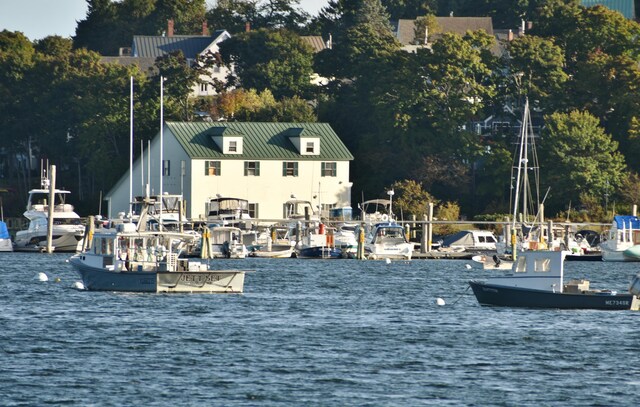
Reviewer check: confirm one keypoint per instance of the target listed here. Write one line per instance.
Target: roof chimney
(170, 28)
(205, 29)
(247, 26)
(510, 35)
(521, 30)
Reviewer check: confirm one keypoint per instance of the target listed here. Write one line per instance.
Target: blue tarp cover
(626, 221)
(4, 232)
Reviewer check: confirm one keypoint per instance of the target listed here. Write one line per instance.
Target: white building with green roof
(264, 163)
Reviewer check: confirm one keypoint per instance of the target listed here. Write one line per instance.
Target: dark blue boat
(490, 294)
(319, 252)
(536, 281)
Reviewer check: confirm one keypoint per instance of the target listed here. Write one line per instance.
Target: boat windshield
(228, 205)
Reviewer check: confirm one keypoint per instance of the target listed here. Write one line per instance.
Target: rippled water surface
(315, 332)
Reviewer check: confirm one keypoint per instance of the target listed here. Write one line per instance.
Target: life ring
(385, 217)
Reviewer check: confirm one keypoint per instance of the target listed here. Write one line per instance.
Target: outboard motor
(496, 260)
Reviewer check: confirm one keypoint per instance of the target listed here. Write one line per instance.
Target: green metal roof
(625, 7)
(261, 141)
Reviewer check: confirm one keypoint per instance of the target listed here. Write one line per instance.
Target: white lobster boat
(129, 259)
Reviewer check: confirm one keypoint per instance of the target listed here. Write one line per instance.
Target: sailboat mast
(525, 161)
(131, 146)
(161, 147)
(522, 166)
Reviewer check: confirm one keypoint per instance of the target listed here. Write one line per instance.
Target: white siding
(270, 190)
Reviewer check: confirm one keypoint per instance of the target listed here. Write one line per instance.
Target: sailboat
(527, 234)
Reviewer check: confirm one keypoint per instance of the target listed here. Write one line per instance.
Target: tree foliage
(112, 24)
(276, 60)
(415, 117)
(576, 155)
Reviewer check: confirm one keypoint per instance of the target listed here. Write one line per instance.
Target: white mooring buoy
(440, 301)
(388, 261)
(468, 266)
(78, 285)
(42, 276)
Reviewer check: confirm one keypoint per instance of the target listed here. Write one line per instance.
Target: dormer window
(310, 147)
(228, 140)
(304, 141)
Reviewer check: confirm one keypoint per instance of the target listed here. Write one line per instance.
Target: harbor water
(310, 332)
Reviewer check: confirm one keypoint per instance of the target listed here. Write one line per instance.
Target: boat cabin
(536, 270)
(39, 200)
(227, 211)
(124, 249)
(388, 233)
(297, 209)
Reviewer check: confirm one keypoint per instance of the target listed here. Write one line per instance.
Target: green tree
(542, 64)
(111, 24)
(411, 198)
(410, 8)
(233, 15)
(180, 78)
(577, 156)
(54, 46)
(17, 58)
(276, 60)
(364, 39)
(278, 14)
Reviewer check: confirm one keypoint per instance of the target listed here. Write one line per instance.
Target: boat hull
(218, 281)
(6, 245)
(275, 254)
(496, 295)
(319, 253)
(61, 241)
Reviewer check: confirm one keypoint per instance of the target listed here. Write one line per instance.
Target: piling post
(424, 238)
(430, 228)
(52, 202)
(413, 227)
(88, 233)
(360, 253)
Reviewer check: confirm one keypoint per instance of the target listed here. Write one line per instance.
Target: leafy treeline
(408, 118)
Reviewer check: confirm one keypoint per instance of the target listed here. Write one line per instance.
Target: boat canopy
(465, 238)
(626, 222)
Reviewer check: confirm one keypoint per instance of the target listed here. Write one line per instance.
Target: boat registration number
(617, 302)
(199, 279)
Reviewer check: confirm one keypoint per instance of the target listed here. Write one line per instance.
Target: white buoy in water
(388, 261)
(440, 301)
(42, 276)
(78, 285)
(468, 266)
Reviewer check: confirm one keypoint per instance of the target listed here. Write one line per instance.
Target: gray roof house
(405, 32)
(145, 49)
